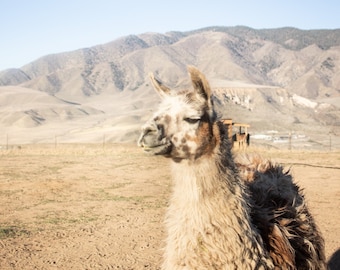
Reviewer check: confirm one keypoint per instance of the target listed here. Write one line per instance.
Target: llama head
(182, 128)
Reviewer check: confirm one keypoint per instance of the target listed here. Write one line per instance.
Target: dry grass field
(95, 207)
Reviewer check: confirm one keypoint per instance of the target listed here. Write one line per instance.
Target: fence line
(286, 141)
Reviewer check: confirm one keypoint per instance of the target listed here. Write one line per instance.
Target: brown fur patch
(206, 139)
(281, 215)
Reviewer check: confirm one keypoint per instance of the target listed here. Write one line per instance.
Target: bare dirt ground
(95, 207)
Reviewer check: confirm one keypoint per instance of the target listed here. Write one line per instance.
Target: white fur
(207, 225)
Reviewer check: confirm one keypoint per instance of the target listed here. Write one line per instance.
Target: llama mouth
(163, 149)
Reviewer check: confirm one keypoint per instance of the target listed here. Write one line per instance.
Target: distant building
(241, 138)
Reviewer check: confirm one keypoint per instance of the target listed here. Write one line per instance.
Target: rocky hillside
(260, 76)
(306, 62)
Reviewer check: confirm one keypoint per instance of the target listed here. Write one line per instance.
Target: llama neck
(208, 208)
(206, 187)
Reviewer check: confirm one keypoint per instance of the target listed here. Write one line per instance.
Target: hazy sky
(30, 29)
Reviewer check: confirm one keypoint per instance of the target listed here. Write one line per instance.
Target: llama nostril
(161, 132)
(149, 131)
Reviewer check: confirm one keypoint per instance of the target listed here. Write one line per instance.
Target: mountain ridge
(287, 70)
(241, 49)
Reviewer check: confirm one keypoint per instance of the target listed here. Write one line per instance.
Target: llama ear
(200, 83)
(161, 89)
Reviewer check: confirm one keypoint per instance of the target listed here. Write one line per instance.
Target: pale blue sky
(30, 29)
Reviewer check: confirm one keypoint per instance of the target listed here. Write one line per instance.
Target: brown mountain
(283, 79)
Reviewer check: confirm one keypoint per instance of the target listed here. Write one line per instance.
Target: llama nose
(147, 131)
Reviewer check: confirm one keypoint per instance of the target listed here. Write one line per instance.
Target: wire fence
(323, 142)
(284, 141)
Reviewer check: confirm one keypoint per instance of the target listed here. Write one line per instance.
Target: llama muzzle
(152, 141)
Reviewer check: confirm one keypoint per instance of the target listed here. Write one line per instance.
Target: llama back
(281, 214)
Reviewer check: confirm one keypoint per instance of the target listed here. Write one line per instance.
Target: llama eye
(192, 120)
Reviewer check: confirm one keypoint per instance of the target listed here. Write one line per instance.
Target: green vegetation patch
(11, 232)
(65, 218)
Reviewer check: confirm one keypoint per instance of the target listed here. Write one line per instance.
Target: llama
(225, 214)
